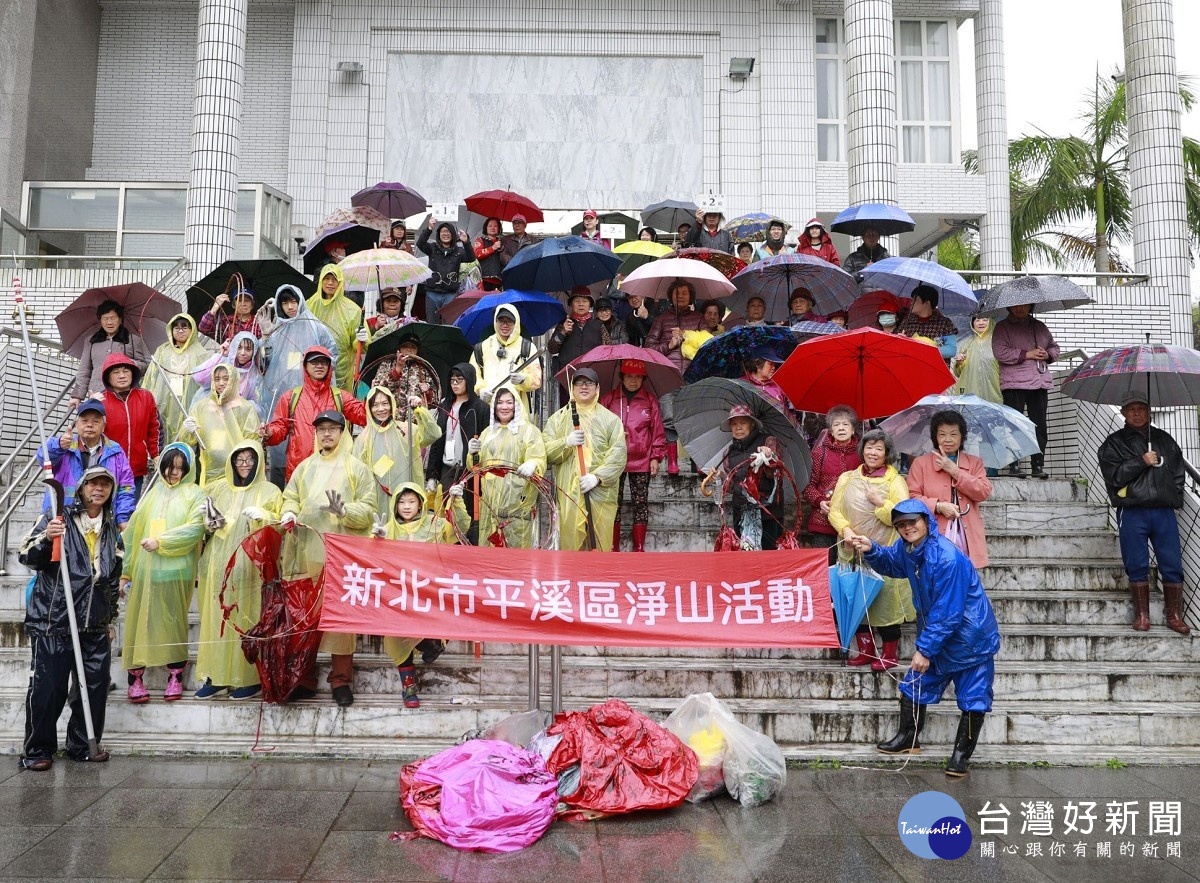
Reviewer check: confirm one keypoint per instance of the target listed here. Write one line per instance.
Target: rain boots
(964, 743)
(138, 694)
(866, 649)
(616, 546)
(1037, 466)
(639, 538)
(672, 458)
(174, 688)
(408, 683)
(908, 739)
(888, 657)
(1139, 592)
(1173, 608)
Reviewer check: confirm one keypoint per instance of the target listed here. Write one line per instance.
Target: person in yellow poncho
(862, 505)
(387, 449)
(409, 520)
(170, 374)
(162, 549)
(244, 501)
(601, 435)
(220, 420)
(341, 317)
(330, 492)
(975, 364)
(509, 502)
(496, 359)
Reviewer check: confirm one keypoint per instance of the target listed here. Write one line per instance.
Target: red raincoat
(645, 435)
(826, 252)
(132, 421)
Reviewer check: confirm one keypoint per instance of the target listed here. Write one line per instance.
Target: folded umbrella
(876, 374)
(852, 589)
(654, 281)
(147, 313)
(774, 279)
(901, 276)
(560, 264)
(391, 199)
(726, 354)
(503, 204)
(666, 216)
(996, 434)
(887, 219)
(721, 261)
(753, 227)
(1047, 294)
(539, 313)
(662, 375)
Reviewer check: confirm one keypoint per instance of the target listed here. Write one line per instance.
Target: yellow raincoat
(509, 501)
(977, 371)
(219, 656)
(604, 456)
(224, 421)
(343, 319)
(427, 527)
(161, 582)
(492, 373)
(305, 496)
(850, 507)
(386, 451)
(170, 376)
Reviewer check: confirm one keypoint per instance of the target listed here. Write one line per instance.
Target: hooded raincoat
(171, 376)
(131, 420)
(343, 319)
(826, 251)
(249, 374)
(497, 357)
(957, 629)
(294, 414)
(392, 455)
(604, 455)
(976, 367)
(645, 435)
(224, 420)
(161, 582)
(219, 657)
(851, 508)
(509, 501)
(306, 497)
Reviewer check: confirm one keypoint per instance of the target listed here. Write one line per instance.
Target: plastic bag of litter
(519, 729)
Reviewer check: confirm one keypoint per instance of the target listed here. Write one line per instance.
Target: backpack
(295, 400)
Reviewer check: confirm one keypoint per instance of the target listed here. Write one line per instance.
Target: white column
(216, 134)
(870, 101)
(995, 233)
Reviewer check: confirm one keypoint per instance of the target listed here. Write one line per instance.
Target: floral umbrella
(379, 268)
(726, 354)
(722, 261)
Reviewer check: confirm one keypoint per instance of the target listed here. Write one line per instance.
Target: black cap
(330, 416)
(585, 374)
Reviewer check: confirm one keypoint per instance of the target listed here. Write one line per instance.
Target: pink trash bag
(484, 795)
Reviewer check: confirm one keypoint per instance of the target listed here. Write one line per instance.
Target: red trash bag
(627, 761)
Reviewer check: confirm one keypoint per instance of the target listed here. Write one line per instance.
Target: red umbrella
(147, 313)
(661, 374)
(450, 312)
(722, 261)
(866, 307)
(875, 373)
(503, 204)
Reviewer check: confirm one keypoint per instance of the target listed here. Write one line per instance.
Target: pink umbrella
(655, 280)
(661, 373)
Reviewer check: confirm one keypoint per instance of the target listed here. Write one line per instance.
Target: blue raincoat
(957, 628)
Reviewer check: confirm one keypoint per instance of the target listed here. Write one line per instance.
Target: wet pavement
(267, 819)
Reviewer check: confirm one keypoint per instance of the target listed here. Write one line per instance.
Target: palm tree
(1060, 182)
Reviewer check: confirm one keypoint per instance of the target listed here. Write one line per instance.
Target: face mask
(887, 320)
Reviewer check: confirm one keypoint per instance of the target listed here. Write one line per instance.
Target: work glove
(575, 437)
(362, 334)
(487, 395)
(254, 513)
(456, 490)
(379, 528)
(516, 378)
(336, 505)
(527, 469)
(431, 485)
(190, 424)
(473, 446)
(213, 519)
(760, 459)
(288, 520)
(588, 483)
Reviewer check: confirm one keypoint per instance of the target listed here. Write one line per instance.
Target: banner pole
(556, 679)
(535, 677)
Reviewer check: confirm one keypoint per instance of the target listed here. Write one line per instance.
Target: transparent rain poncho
(170, 376)
(387, 451)
(508, 501)
(223, 420)
(604, 456)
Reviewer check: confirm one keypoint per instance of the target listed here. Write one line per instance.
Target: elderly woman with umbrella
(94, 342)
(756, 491)
(862, 506)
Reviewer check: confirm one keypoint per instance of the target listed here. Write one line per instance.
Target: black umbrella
(631, 226)
(260, 277)
(666, 216)
(442, 346)
(355, 237)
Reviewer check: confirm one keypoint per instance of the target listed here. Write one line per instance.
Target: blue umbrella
(901, 276)
(773, 279)
(726, 354)
(539, 313)
(852, 590)
(996, 433)
(560, 264)
(887, 219)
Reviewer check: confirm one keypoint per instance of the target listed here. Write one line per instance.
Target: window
(923, 79)
(831, 112)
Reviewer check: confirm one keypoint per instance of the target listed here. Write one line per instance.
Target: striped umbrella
(1166, 375)
(901, 276)
(774, 279)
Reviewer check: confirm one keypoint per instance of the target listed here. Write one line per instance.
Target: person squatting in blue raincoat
(958, 637)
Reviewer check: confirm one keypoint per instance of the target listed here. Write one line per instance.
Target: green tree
(1058, 183)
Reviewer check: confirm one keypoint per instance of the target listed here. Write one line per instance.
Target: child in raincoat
(590, 492)
(219, 421)
(408, 519)
(170, 375)
(862, 506)
(342, 317)
(509, 501)
(244, 501)
(388, 449)
(162, 550)
(242, 354)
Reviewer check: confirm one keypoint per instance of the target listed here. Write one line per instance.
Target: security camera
(299, 235)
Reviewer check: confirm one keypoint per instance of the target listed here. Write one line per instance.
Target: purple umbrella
(390, 198)
(774, 279)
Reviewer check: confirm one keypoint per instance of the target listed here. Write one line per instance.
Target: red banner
(654, 599)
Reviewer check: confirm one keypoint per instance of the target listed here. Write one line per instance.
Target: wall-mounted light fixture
(349, 67)
(740, 68)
